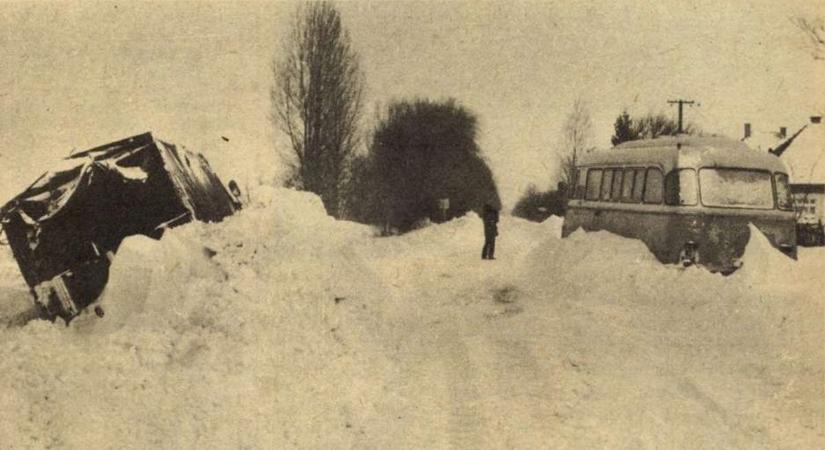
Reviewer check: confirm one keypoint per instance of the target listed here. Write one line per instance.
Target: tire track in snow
(467, 421)
(482, 381)
(467, 378)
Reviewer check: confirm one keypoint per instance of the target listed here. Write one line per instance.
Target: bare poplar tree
(317, 101)
(576, 139)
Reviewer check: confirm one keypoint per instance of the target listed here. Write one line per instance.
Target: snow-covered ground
(282, 328)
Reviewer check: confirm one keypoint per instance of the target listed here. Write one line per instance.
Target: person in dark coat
(490, 217)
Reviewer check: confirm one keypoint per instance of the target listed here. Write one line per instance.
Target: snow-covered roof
(685, 140)
(685, 151)
(805, 157)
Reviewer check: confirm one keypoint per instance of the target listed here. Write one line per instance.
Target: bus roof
(684, 152)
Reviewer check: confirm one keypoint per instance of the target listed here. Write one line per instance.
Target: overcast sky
(75, 75)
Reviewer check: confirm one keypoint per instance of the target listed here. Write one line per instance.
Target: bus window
(594, 184)
(580, 180)
(783, 193)
(627, 185)
(653, 186)
(681, 188)
(607, 183)
(737, 188)
(638, 185)
(616, 192)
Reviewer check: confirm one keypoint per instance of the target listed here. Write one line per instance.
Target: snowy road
(458, 356)
(304, 332)
(512, 359)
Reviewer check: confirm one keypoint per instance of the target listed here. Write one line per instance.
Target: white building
(764, 140)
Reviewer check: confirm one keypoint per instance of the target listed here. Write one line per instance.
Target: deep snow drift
(283, 328)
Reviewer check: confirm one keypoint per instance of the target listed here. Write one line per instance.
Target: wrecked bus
(66, 227)
(690, 199)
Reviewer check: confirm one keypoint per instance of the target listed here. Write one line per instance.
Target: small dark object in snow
(99, 311)
(209, 252)
(507, 311)
(506, 294)
(339, 299)
(226, 139)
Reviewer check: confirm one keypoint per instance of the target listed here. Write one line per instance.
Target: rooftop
(805, 156)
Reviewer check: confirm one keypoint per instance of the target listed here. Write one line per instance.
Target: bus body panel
(719, 235)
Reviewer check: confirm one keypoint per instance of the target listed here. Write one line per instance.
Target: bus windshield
(737, 188)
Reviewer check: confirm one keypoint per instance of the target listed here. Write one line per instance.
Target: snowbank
(554, 225)
(217, 336)
(284, 328)
(737, 357)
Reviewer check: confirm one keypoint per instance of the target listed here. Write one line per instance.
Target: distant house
(764, 140)
(804, 154)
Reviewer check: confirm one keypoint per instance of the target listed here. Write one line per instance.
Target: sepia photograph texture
(363, 224)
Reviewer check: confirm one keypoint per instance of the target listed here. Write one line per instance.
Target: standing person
(490, 217)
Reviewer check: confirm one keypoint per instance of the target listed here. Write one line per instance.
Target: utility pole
(681, 103)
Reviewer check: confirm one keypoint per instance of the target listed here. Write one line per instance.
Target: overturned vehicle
(66, 227)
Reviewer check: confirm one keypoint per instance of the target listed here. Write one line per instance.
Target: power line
(681, 103)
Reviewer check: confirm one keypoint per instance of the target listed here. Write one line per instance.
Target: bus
(689, 199)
